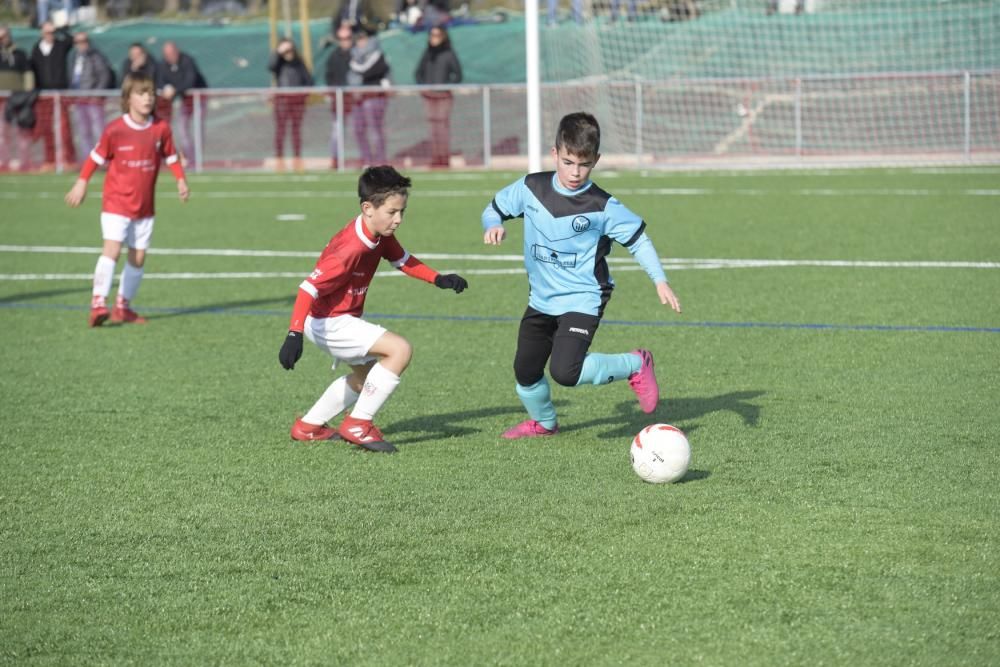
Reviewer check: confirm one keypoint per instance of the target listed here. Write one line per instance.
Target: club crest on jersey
(580, 224)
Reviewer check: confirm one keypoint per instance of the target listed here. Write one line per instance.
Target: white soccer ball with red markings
(660, 454)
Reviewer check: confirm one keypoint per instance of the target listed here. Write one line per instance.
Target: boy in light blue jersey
(569, 224)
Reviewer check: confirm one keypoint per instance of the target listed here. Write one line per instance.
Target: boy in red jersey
(329, 307)
(133, 147)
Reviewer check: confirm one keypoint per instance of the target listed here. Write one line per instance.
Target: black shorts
(565, 338)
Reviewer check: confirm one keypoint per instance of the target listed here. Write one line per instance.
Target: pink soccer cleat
(529, 429)
(305, 432)
(643, 382)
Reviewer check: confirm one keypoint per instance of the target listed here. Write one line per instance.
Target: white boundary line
(659, 192)
(623, 262)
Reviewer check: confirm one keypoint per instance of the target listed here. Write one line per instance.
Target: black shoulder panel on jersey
(638, 233)
(592, 200)
(503, 216)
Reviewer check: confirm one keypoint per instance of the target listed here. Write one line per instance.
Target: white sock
(338, 397)
(129, 283)
(104, 274)
(379, 385)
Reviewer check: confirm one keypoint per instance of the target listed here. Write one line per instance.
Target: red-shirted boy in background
(132, 146)
(329, 307)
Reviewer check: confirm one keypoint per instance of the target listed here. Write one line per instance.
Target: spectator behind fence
(13, 71)
(369, 68)
(49, 65)
(353, 13)
(140, 61)
(576, 7)
(289, 108)
(439, 65)
(337, 67)
(179, 74)
(90, 71)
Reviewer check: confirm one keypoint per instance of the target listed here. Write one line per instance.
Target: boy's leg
(113, 232)
(394, 354)
(138, 236)
(534, 345)
(572, 365)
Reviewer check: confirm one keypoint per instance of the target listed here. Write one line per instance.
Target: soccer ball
(660, 453)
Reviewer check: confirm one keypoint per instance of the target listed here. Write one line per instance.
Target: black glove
(451, 281)
(291, 350)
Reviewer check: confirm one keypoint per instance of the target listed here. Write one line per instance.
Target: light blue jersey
(567, 236)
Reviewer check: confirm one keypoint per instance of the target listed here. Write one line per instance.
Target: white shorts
(345, 337)
(134, 233)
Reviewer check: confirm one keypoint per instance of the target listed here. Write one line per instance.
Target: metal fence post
(638, 123)
(487, 129)
(198, 132)
(968, 116)
(56, 131)
(338, 95)
(798, 118)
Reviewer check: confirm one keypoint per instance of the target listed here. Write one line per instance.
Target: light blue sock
(537, 401)
(605, 368)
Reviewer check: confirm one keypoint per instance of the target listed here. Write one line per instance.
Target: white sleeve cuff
(307, 286)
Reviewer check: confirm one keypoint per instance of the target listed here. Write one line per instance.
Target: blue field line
(807, 326)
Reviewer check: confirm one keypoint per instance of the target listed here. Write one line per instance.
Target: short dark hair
(580, 134)
(377, 184)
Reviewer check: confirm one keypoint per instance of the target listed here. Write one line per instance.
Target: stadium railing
(902, 118)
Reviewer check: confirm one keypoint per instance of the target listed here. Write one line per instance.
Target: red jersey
(346, 267)
(134, 152)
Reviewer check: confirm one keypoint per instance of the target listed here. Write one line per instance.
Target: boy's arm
(78, 192)
(506, 205)
(291, 348)
(642, 249)
(173, 162)
(414, 268)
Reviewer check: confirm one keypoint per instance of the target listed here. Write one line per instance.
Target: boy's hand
(182, 190)
(667, 296)
(494, 235)
(451, 281)
(291, 350)
(77, 193)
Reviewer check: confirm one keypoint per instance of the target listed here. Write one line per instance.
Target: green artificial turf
(841, 506)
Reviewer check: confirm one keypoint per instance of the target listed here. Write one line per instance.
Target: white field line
(670, 262)
(486, 195)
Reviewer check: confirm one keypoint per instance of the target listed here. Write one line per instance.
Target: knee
(567, 375)
(527, 376)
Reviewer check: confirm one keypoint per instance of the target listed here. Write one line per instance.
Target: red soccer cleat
(304, 431)
(643, 382)
(363, 433)
(124, 314)
(529, 429)
(98, 316)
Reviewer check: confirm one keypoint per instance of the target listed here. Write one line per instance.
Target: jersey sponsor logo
(358, 273)
(580, 224)
(566, 260)
(579, 331)
(357, 291)
(127, 147)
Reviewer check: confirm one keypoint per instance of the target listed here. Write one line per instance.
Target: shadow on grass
(624, 420)
(42, 294)
(224, 307)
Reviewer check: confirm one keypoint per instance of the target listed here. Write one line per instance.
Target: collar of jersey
(558, 187)
(362, 232)
(134, 125)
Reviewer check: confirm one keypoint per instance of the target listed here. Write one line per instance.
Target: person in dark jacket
(369, 68)
(48, 63)
(90, 70)
(140, 61)
(438, 65)
(179, 75)
(13, 66)
(289, 108)
(337, 67)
